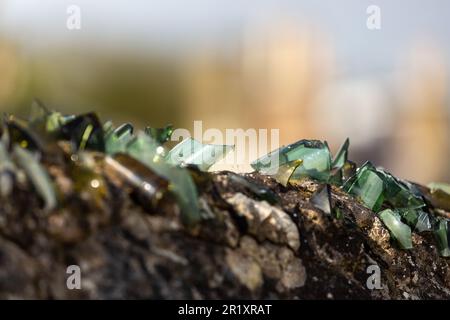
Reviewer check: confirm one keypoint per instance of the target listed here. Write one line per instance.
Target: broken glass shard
(190, 151)
(181, 184)
(417, 219)
(85, 132)
(321, 199)
(335, 176)
(341, 156)
(142, 147)
(37, 175)
(315, 156)
(441, 234)
(119, 139)
(183, 188)
(161, 135)
(285, 172)
(423, 222)
(7, 169)
(399, 231)
(367, 186)
(398, 194)
(19, 134)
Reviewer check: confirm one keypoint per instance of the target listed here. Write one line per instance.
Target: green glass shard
(43, 120)
(183, 188)
(417, 219)
(315, 156)
(5, 160)
(398, 194)
(7, 169)
(190, 151)
(143, 147)
(409, 216)
(423, 222)
(108, 128)
(342, 155)
(316, 164)
(125, 129)
(85, 132)
(321, 199)
(161, 135)
(399, 231)
(367, 186)
(335, 176)
(119, 139)
(54, 121)
(37, 175)
(285, 172)
(20, 134)
(441, 234)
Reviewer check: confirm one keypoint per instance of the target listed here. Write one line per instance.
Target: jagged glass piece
(142, 147)
(18, 133)
(161, 135)
(398, 194)
(117, 140)
(321, 199)
(315, 156)
(399, 231)
(367, 186)
(335, 176)
(409, 216)
(341, 156)
(190, 151)
(85, 132)
(181, 184)
(286, 171)
(7, 169)
(184, 189)
(418, 220)
(441, 234)
(423, 222)
(108, 128)
(37, 175)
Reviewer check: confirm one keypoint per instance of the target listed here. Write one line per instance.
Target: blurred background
(312, 69)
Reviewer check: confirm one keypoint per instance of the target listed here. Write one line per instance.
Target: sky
(186, 24)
